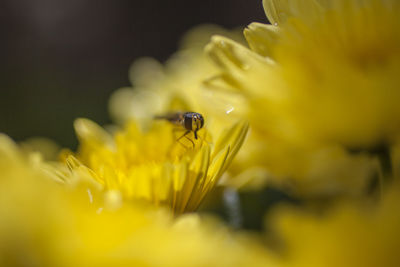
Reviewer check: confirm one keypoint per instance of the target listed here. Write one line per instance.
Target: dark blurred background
(61, 59)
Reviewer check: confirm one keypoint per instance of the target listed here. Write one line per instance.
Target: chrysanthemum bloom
(156, 165)
(338, 64)
(179, 85)
(44, 223)
(322, 78)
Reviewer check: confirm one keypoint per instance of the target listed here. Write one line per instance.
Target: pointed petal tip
(7, 146)
(88, 130)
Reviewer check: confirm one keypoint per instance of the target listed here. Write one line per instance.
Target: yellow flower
(43, 223)
(352, 234)
(321, 79)
(334, 74)
(180, 84)
(153, 165)
(303, 165)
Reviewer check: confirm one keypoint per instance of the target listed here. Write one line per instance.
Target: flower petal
(261, 38)
(88, 130)
(278, 11)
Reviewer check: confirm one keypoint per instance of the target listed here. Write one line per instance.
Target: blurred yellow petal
(261, 38)
(352, 234)
(43, 223)
(278, 11)
(86, 130)
(46, 147)
(241, 68)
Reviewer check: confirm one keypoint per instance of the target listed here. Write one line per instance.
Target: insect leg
(190, 141)
(203, 138)
(185, 135)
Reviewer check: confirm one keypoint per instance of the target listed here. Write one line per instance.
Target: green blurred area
(44, 104)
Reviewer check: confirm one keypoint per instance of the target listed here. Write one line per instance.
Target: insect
(191, 121)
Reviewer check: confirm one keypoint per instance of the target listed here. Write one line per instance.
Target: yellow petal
(237, 137)
(215, 170)
(234, 137)
(197, 175)
(7, 147)
(238, 64)
(278, 11)
(89, 130)
(261, 38)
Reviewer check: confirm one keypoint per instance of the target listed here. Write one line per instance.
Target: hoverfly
(191, 121)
